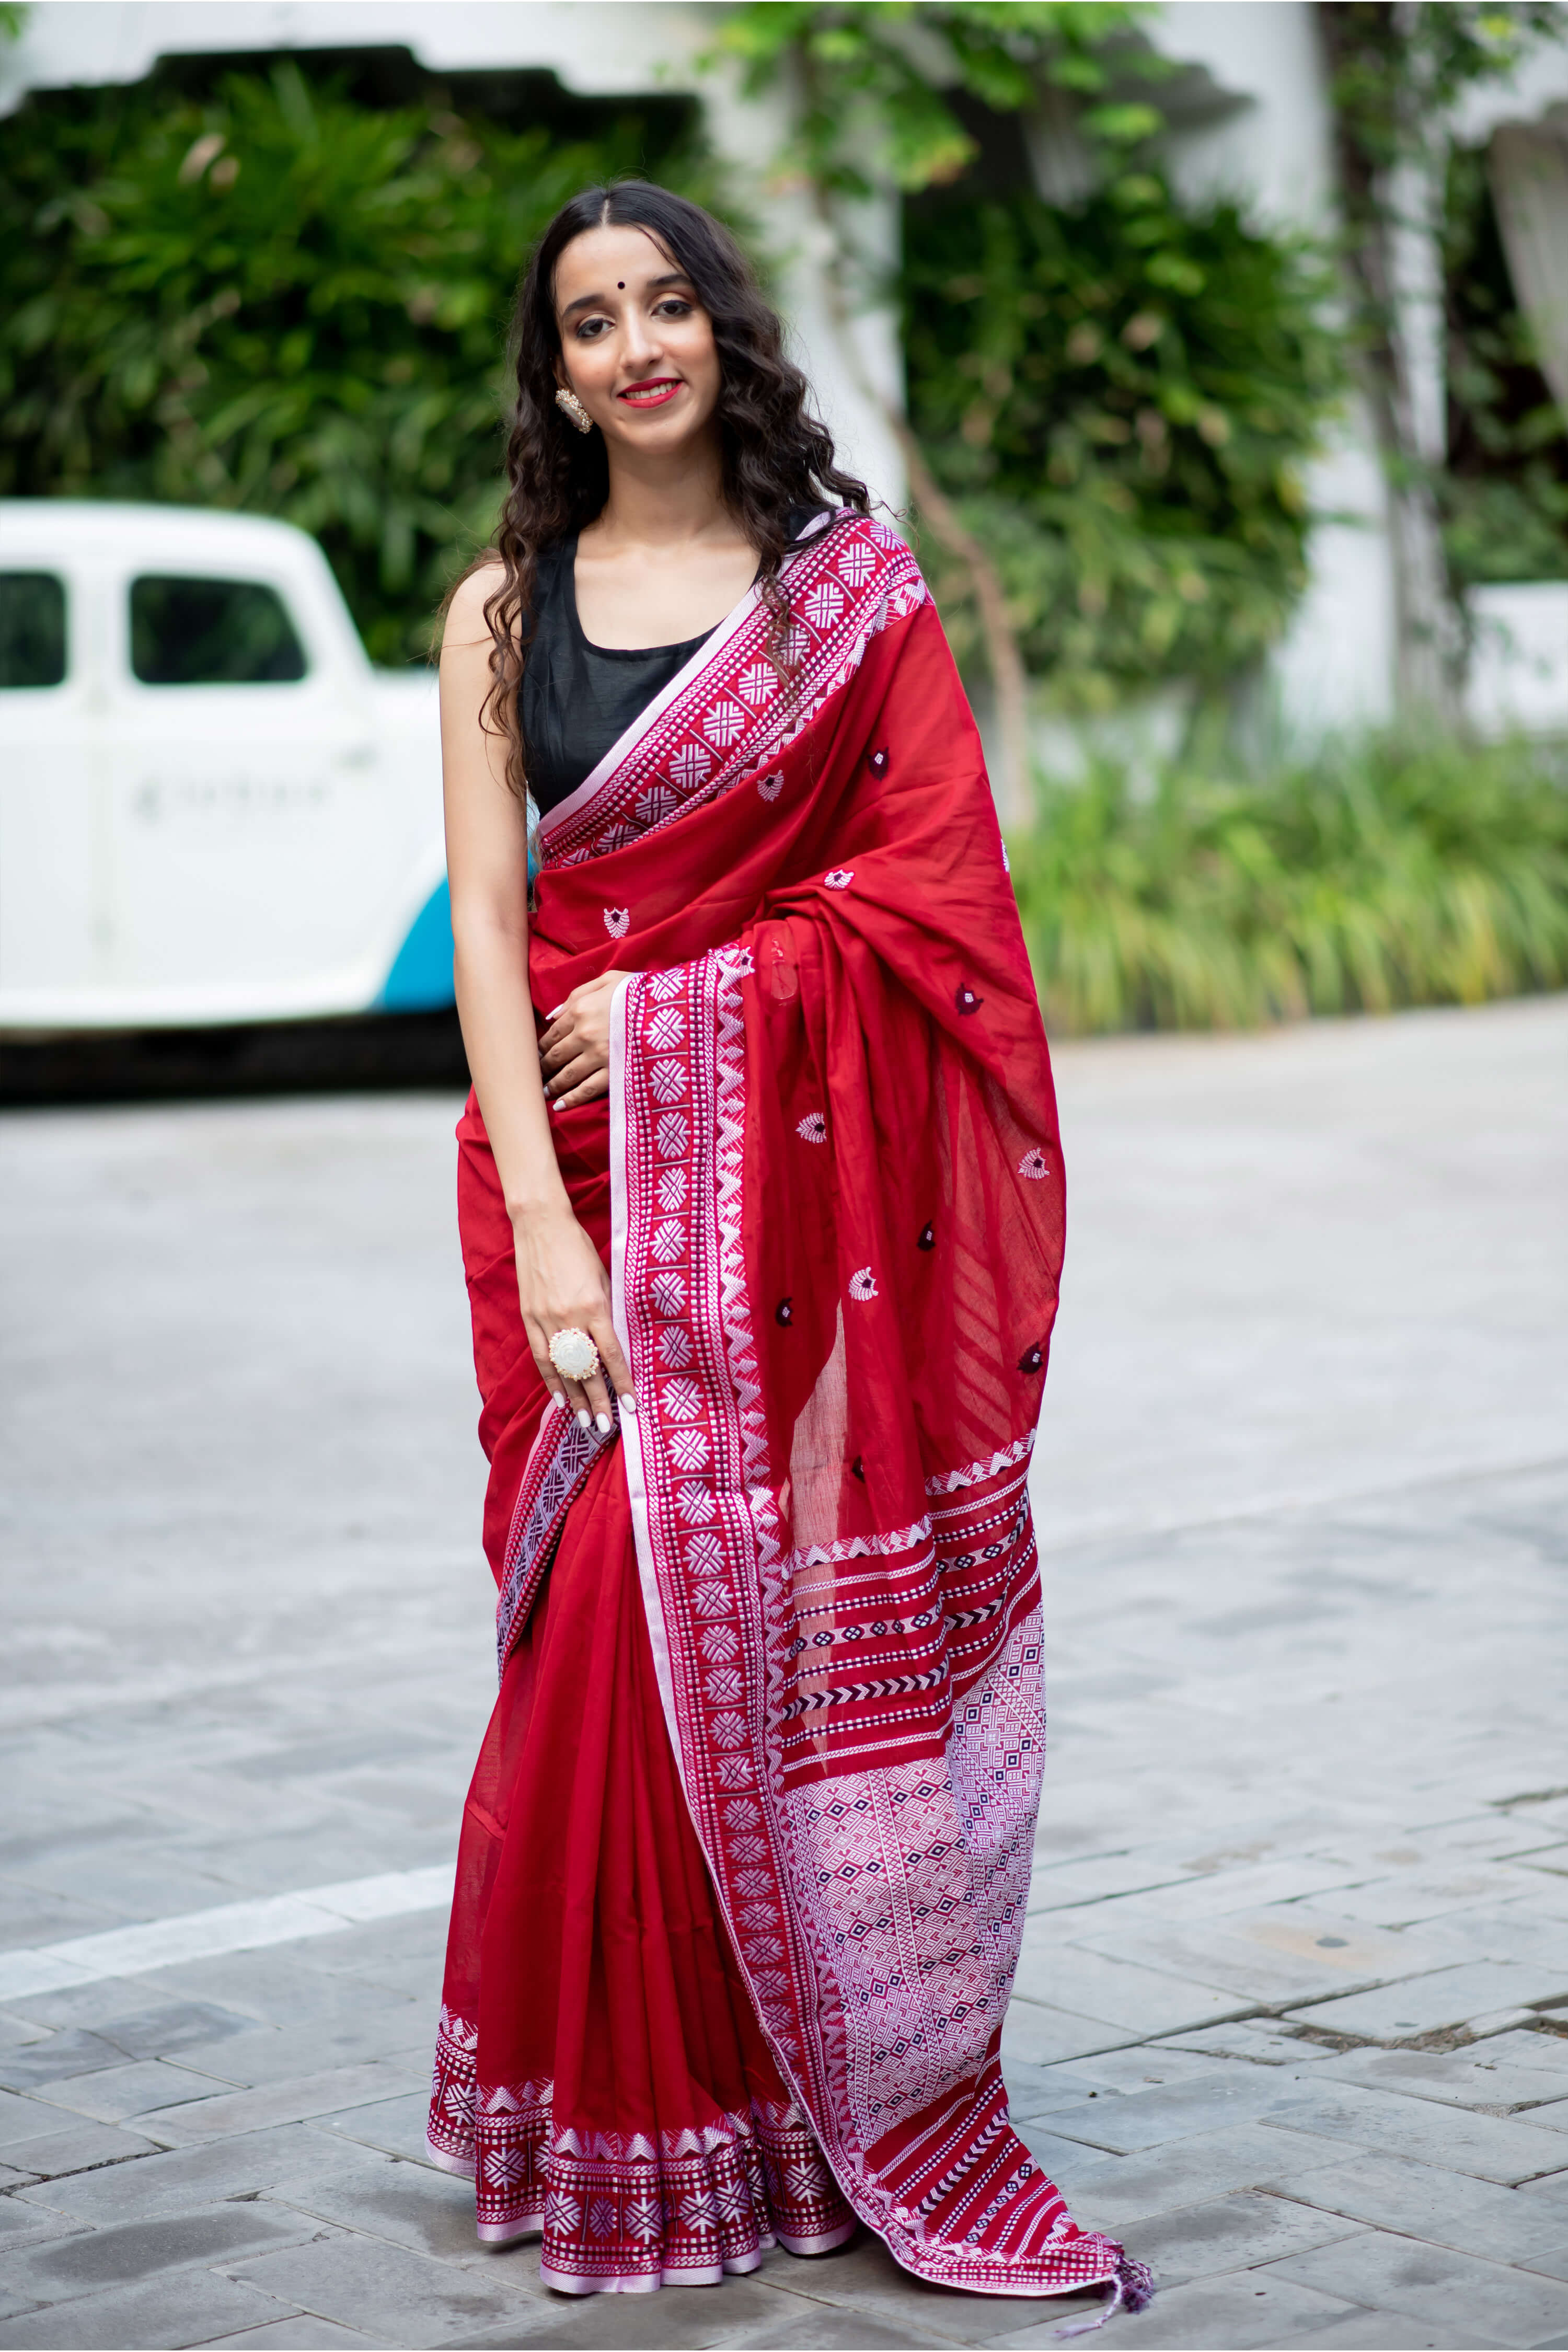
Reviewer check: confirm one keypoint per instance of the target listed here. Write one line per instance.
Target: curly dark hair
(777, 456)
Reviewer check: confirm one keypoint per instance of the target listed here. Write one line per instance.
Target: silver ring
(573, 1354)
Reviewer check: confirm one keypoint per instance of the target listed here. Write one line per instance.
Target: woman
(761, 1209)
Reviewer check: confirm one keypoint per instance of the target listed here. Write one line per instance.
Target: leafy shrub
(1374, 876)
(282, 300)
(1504, 493)
(1120, 394)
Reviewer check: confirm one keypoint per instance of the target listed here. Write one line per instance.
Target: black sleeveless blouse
(577, 699)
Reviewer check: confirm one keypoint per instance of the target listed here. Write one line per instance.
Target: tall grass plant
(1370, 875)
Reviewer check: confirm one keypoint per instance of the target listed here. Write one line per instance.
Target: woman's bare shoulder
(466, 624)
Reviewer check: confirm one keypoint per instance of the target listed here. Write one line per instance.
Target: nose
(642, 348)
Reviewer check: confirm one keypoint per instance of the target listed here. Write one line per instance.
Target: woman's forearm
(490, 972)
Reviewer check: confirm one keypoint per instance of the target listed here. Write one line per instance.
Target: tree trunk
(1012, 782)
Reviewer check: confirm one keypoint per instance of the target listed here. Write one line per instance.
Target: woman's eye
(673, 307)
(589, 329)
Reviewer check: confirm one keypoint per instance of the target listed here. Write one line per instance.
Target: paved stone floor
(1292, 2017)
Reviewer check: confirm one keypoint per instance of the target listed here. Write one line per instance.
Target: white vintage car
(212, 807)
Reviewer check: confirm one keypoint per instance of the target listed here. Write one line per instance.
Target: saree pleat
(601, 2072)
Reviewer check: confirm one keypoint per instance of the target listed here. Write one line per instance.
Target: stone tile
(1409, 1898)
(21, 2224)
(16, 2032)
(47, 2057)
(1524, 1932)
(175, 2029)
(1064, 1885)
(279, 1987)
(1530, 2048)
(1067, 2161)
(1428, 2004)
(395, 2125)
(1121, 2192)
(1284, 1952)
(412, 2205)
(23, 2119)
(1261, 2044)
(34, 1915)
(1038, 2091)
(111, 2094)
(1242, 2309)
(1219, 2096)
(1456, 2078)
(1034, 2035)
(1058, 1975)
(865, 2280)
(1233, 2232)
(1553, 2117)
(90, 2259)
(1387, 2331)
(1424, 2200)
(808, 2327)
(289, 2053)
(402, 2298)
(80, 2147)
(1395, 2273)
(183, 2308)
(180, 2179)
(741, 2311)
(303, 2335)
(1494, 2147)
(275, 2102)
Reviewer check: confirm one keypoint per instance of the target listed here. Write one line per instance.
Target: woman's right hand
(561, 1286)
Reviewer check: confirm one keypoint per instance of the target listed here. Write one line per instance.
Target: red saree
(743, 1870)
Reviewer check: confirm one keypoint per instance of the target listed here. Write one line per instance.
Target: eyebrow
(602, 301)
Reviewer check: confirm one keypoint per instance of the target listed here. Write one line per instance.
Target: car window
(191, 632)
(32, 629)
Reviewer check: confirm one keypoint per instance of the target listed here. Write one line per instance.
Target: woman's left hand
(575, 1051)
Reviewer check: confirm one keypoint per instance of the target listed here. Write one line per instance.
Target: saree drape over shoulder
(744, 1867)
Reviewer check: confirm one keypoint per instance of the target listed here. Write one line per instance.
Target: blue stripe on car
(420, 980)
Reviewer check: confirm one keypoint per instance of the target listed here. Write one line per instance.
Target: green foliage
(278, 301)
(876, 78)
(1396, 70)
(1376, 876)
(1504, 495)
(1121, 395)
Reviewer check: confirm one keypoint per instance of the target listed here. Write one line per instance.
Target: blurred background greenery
(286, 292)
(281, 284)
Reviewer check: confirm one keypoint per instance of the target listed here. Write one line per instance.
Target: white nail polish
(603, 1424)
(557, 1402)
(584, 1419)
(628, 1404)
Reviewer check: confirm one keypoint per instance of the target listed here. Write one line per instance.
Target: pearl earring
(569, 404)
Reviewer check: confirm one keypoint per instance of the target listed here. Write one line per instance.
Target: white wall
(1271, 149)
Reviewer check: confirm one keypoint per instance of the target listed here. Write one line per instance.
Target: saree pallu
(745, 1868)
